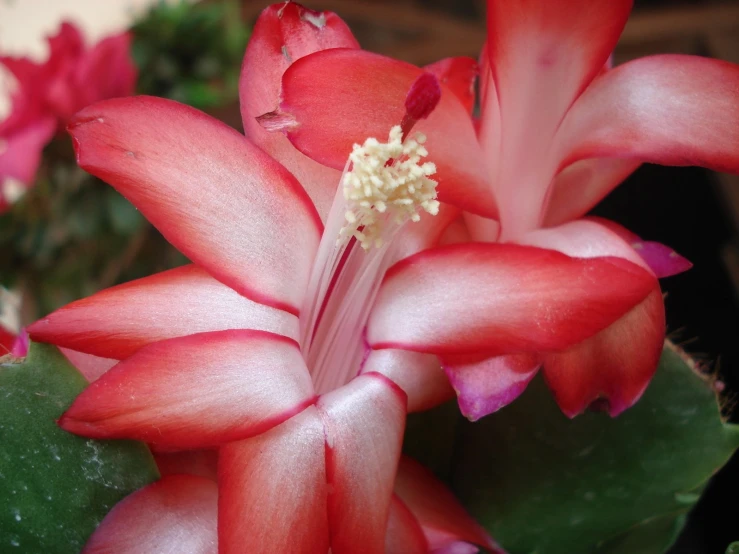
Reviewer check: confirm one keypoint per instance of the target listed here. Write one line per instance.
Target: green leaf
(56, 487)
(651, 537)
(733, 548)
(544, 484)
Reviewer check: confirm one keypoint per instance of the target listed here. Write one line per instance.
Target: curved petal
(178, 513)
(662, 260)
(485, 386)
(494, 299)
(419, 375)
(404, 534)
(282, 34)
(336, 98)
(92, 367)
(613, 367)
(548, 52)
(116, 322)
(106, 71)
(442, 518)
(218, 198)
(364, 422)
(272, 490)
(458, 74)
(667, 109)
(196, 391)
(542, 54)
(20, 154)
(579, 187)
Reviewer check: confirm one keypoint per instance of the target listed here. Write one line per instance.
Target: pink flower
(285, 345)
(48, 94)
(558, 131)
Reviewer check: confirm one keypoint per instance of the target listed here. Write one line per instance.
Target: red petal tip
(423, 96)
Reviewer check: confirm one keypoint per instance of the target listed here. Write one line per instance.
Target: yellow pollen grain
(387, 182)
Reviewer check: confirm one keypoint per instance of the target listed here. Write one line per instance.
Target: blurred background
(70, 235)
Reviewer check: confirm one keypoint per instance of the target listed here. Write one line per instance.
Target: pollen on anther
(387, 184)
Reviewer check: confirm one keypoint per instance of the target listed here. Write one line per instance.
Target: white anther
(386, 182)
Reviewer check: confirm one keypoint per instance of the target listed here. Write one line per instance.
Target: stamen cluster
(387, 183)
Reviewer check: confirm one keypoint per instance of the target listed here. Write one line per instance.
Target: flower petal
(364, 422)
(458, 74)
(542, 54)
(218, 198)
(328, 119)
(106, 71)
(614, 366)
(116, 322)
(485, 386)
(582, 185)
(92, 367)
(661, 259)
(667, 109)
(20, 155)
(419, 375)
(494, 299)
(404, 534)
(272, 490)
(178, 513)
(548, 52)
(285, 33)
(196, 391)
(442, 518)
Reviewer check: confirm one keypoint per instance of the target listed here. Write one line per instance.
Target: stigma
(387, 183)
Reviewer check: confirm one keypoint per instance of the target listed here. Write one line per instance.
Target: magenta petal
(20, 155)
(485, 386)
(662, 259)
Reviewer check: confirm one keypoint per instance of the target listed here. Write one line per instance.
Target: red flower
(285, 345)
(48, 94)
(558, 131)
